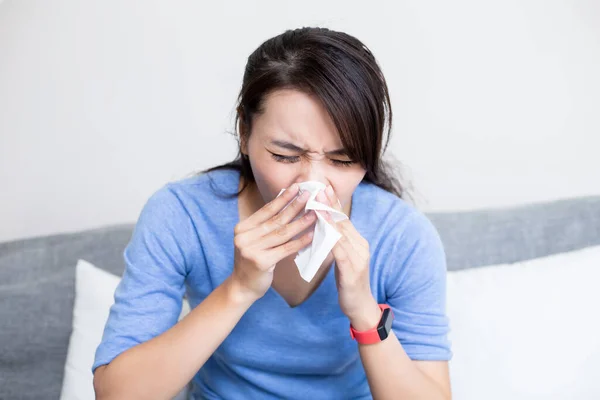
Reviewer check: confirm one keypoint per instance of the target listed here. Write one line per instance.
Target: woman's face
(295, 140)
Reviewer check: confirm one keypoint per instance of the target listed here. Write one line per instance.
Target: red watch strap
(370, 336)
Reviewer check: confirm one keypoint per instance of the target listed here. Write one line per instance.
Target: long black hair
(339, 71)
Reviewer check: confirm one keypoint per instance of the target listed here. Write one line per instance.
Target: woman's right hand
(265, 238)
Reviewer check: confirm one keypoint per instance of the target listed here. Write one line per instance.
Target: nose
(312, 171)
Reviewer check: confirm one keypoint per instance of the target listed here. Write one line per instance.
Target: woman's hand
(352, 258)
(264, 238)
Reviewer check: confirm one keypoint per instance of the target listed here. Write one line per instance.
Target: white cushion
(94, 291)
(529, 330)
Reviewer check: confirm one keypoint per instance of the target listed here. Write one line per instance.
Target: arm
(393, 375)
(145, 352)
(412, 362)
(162, 366)
(414, 277)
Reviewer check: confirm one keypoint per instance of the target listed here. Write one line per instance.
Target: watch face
(385, 324)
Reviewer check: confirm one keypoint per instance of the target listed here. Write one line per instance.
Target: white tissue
(310, 258)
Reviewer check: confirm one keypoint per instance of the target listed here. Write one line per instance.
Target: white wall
(496, 103)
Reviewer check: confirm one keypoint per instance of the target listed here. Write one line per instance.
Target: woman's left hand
(352, 258)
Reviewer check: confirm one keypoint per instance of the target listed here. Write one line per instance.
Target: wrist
(367, 318)
(237, 294)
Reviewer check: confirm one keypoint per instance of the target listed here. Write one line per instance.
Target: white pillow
(94, 291)
(529, 330)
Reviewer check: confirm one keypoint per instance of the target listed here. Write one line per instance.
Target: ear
(243, 134)
(243, 145)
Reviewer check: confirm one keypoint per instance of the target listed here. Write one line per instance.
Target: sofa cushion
(532, 331)
(94, 296)
(37, 278)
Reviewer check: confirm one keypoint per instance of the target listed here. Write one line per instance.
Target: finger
(268, 210)
(287, 232)
(333, 199)
(342, 258)
(346, 228)
(288, 248)
(354, 258)
(330, 221)
(358, 254)
(279, 221)
(322, 198)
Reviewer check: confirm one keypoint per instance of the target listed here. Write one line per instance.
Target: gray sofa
(37, 276)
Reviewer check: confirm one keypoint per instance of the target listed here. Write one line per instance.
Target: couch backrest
(505, 235)
(37, 276)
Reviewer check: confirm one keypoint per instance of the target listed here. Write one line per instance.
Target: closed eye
(294, 159)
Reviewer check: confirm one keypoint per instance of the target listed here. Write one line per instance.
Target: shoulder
(193, 204)
(405, 245)
(210, 186)
(389, 217)
(198, 193)
(181, 214)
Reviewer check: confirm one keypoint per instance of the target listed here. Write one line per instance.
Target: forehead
(294, 116)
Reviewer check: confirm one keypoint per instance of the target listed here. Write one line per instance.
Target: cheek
(346, 184)
(271, 178)
(264, 168)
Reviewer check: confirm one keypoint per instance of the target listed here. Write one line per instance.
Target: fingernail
(329, 190)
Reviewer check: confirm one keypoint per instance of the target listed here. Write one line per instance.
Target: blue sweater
(183, 243)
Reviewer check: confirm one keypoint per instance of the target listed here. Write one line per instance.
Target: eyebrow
(290, 146)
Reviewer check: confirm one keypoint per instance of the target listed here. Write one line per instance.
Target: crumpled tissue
(325, 236)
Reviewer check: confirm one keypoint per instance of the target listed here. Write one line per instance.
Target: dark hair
(341, 72)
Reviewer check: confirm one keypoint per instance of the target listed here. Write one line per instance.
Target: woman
(313, 107)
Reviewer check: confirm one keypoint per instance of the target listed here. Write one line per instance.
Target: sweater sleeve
(416, 289)
(149, 297)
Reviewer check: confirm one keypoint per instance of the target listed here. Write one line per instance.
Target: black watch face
(385, 324)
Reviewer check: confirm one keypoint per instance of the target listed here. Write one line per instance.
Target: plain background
(496, 103)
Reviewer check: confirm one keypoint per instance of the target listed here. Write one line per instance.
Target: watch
(378, 333)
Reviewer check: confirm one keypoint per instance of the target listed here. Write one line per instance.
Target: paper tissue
(310, 258)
